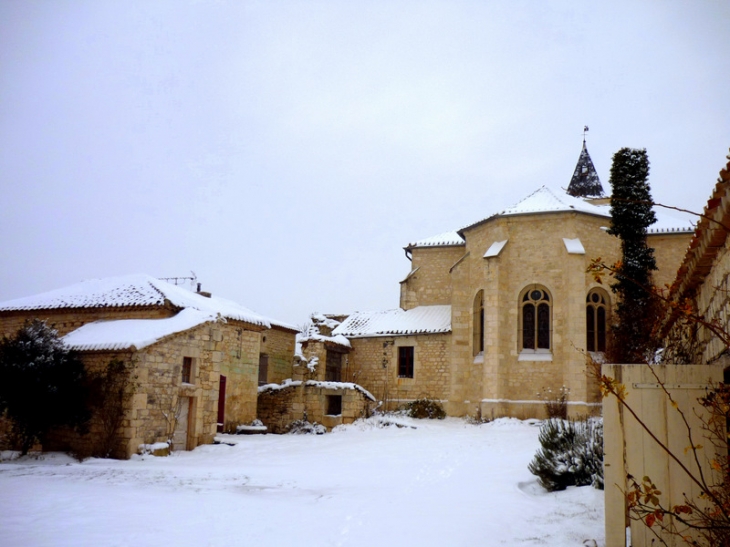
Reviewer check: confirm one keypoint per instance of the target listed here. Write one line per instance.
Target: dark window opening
(536, 320)
(334, 405)
(405, 362)
(187, 369)
(333, 370)
(263, 369)
(596, 322)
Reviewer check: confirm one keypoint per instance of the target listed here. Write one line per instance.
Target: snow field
(446, 483)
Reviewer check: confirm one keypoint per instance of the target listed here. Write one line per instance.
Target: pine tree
(631, 216)
(42, 384)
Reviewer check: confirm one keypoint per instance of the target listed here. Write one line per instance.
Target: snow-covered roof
(545, 200)
(671, 222)
(137, 290)
(574, 246)
(446, 239)
(132, 334)
(495, 248)
(420, 320)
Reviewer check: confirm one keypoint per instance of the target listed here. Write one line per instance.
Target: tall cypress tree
(631, 216)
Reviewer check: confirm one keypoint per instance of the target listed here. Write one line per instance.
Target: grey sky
(287, 151)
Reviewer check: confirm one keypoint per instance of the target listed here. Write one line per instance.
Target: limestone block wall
(280, 407)
(713, 301)
(237, 350)
(431, 284)
(535, 255)
(669, 251)
(278, 344)
(374, 362)
(67, 320)
(159, 393)
(316, 369)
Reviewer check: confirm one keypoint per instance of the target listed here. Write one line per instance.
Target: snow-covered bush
(303, 427)
(425, 408)
(571, 454)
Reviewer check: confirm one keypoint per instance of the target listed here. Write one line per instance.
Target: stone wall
(431, 284)
(669, 251)
(278, 408)
(67, 320)
(278, 344)
(374, 362)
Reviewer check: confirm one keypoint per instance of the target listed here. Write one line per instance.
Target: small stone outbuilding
(194, 358)
(321, 388)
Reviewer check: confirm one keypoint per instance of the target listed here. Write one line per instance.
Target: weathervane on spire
(585, 130)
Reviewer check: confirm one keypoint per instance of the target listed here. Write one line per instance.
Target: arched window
(478, 323)
(596, 318)
(536, 319)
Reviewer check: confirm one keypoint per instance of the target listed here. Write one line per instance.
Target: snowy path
(445, 483)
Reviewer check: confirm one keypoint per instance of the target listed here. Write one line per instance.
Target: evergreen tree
(631, 216)
(42, 384)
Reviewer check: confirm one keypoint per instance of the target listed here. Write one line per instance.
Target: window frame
(536, 308)
(406, 361)
(597, 339)
(187, 370)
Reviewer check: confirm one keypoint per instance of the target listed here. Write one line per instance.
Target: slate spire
(585, 182)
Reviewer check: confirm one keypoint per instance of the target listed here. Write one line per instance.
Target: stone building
(703, 282)
(196, 358)
(499, 312)
(322, 386)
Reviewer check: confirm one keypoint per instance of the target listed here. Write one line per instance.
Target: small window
(334, 405)
(187, 370)
(333, 370)
(405, 362)
(478, 327)
(263, 369)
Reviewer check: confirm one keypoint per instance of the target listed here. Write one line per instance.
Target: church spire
(585, 182)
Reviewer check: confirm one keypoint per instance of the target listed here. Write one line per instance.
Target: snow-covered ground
(445, 483)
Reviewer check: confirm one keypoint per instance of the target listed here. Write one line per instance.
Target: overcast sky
(287, 151)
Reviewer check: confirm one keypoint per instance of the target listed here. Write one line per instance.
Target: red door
(221, 404)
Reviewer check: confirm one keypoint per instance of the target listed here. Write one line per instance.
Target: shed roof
(133, 334)
(397, 322)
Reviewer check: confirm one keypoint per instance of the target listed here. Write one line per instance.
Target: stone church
(497, 313)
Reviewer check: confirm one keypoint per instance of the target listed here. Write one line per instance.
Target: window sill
(479, 358)
(405, 377)
(535, 355)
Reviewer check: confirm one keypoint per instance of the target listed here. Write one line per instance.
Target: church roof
(446, 239)
(585, 182)
(545, 200)
(137, 290)
(419, 320)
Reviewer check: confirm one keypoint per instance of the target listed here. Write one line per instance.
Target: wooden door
(221, 404)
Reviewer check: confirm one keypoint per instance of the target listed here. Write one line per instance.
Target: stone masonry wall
(431, 284)
(669, 251)
(279, 408)
(278, 344)
(374, 362)
(67, 320)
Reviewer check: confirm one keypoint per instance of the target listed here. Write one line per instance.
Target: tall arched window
(596, 318)
(478, 323)
(536, 319)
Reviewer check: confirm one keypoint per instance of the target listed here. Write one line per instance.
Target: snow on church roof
(420, 320)
(446, 239)
(137, 290)
(126, 334)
